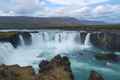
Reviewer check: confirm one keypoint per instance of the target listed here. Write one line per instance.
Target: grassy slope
(71, 27)
(96, 27)
(7, 34)
(10, 22)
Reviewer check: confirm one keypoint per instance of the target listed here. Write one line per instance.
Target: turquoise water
(82, 66)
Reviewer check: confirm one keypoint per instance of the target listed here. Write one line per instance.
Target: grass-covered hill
(22, 22)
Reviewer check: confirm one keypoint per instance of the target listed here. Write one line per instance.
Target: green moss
(7, 34)
(106, 56)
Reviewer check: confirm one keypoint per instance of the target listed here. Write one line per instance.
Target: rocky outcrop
(107, 57)
(6, 74)
(106, 40)
(95, 76)
(16, 72)
(56, 69)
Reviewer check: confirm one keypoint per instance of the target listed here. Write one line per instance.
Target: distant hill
(92, 22)
(22, 22)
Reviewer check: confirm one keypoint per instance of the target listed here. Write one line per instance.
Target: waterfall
(6, 49)
(87, 40)
(55, 42)
(58, 37)
(22, 43)
(46, 36)
(55, 36)
(78, 38)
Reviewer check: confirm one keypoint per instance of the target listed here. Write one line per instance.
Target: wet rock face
(95, 76)
(106, 41)
(14, 39)
(57, 69)
(11, 37)
(26, 37)
(83, 35)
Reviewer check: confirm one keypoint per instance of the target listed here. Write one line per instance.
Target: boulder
(56, 69)
(95, 76)
(107, 56)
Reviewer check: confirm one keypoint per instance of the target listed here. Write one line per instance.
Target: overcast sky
(82, 9)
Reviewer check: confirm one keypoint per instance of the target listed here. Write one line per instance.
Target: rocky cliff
(106, 40)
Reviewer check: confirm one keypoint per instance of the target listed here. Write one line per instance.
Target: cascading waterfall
(87, 41)
(22, 43)
(58, 37)
(6, 49)
(55, 41)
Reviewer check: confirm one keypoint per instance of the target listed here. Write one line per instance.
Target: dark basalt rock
(106, 40)
(95, 76)
(83, 35)
(57, 69)
(15, 41)
(107, 57)
(43, 64)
